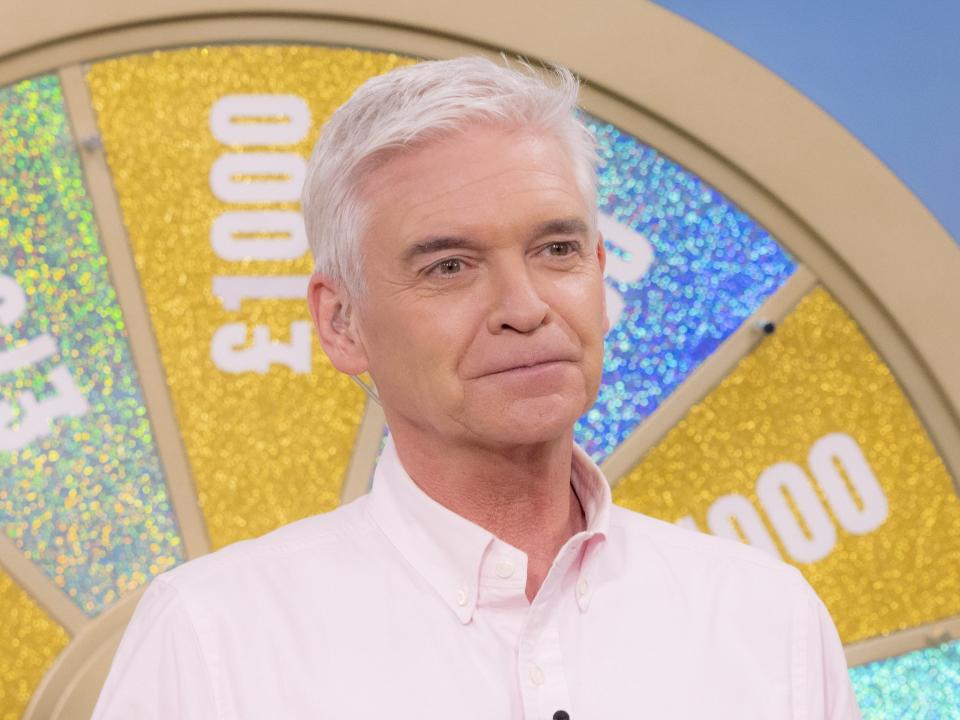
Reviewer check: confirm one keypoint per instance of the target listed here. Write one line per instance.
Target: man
(451, 210)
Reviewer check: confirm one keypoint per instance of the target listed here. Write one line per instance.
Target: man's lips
(531, 364)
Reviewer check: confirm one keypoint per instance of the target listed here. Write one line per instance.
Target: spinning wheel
(161, 393)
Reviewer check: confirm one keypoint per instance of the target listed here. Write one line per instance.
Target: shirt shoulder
(328, 539)
(753, 618)
(246, 623)
(695, 556)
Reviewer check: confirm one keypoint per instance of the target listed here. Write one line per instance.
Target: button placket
(532, 677)
(544, 689)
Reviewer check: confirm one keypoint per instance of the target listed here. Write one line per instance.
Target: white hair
(413, 105)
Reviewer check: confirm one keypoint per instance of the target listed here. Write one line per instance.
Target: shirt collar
(447, 549)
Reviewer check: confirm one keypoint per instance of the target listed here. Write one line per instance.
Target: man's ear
(336, 325)
(602, 259)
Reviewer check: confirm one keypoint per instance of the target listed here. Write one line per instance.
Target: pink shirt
(395, 607)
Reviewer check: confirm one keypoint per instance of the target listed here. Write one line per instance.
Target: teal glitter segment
(82, 492)
(712, 267)
(922, 685)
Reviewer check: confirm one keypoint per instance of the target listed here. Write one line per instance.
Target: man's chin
(532, 421)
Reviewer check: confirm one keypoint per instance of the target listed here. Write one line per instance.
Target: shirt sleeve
(159, 670)
(824, 682)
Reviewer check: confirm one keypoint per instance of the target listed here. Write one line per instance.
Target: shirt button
(504, 569)
(462, 597)
(536, 675)
(583, 587)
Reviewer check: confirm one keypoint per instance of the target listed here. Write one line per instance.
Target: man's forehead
(465, 185)
(471, 141)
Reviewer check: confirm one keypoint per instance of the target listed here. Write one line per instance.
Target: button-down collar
(451, 552)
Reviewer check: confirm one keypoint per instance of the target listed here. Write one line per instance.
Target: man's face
(484, 315)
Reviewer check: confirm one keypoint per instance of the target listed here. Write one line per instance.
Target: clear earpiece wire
(367, 388)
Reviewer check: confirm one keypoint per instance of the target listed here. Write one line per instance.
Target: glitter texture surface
(880, 570)
(29, 642)
(266, 446)
(922, 685)
(82, 494)
(713, 266)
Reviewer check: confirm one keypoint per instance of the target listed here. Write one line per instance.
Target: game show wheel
(162, 394)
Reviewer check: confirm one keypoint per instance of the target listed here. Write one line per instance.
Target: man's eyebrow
(437, 244)
(561, 226)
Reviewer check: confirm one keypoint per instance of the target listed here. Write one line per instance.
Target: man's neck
(522, 494)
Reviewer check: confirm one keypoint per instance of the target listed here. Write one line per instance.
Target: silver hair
(413, 105)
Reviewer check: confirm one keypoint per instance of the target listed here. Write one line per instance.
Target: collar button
(583, 588)
(537, 676)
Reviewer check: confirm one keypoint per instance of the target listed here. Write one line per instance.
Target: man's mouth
(527, 367)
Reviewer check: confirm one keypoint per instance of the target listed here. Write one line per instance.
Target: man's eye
(451, 266)
(560, 249)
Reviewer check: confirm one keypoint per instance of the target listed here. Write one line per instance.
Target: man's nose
(516, 304)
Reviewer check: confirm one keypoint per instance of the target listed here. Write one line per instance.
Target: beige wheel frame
(852, 225)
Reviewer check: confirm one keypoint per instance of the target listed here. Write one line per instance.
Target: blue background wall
(888, 71)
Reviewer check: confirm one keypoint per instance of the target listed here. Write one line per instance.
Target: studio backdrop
(780, 368)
